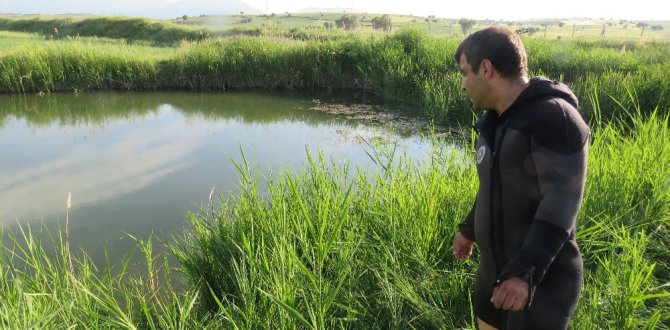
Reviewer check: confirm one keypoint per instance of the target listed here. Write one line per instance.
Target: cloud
(92, 173)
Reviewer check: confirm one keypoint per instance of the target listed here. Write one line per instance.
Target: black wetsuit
(531, 163)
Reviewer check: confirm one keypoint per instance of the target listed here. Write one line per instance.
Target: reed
(328, 248)
(134, 30)
(41, 289)
(406, 67)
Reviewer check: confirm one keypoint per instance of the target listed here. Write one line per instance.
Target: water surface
(136, 163)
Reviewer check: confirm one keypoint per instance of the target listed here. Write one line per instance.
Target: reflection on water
(137, 162)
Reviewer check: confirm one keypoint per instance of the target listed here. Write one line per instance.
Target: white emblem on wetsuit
(481, 152)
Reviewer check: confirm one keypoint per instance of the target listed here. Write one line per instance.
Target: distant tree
(382, 23)
(561, 24)
(546, 27)
(241, 13)
(348, 22)
(532, 30)
(328, 25)
(184, 17)
(529, 31)
(466, 25)
(656, 28)
(642, 25)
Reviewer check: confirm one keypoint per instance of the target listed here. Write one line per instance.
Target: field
(331, 247)
(583, 28)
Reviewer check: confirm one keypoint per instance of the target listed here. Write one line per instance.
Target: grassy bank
(331, 247)
(408, 67)
(133, 30)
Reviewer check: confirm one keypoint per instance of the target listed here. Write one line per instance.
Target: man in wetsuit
(531, 155)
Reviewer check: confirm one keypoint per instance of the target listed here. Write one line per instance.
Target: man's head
(499, 45)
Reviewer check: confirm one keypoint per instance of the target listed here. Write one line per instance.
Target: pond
(136, 163)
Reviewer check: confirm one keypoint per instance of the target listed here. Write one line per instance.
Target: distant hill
(147, 8)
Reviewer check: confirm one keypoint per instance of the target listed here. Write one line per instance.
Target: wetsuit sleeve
(559, 152)
(467, 227)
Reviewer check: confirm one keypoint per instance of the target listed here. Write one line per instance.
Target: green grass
(380, 247)
(407, 66)
(75, 66)
(22, 41)
(42, 289)
(134, 30)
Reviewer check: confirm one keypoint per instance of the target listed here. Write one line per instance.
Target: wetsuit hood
(540, 87)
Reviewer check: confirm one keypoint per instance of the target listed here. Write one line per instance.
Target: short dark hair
(499, 45)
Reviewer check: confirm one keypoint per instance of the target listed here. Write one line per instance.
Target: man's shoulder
(554, 123)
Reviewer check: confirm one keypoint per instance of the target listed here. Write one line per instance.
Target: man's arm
(467, 227)
(559, 152)
(465, 237)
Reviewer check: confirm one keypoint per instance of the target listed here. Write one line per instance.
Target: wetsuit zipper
(496, 228)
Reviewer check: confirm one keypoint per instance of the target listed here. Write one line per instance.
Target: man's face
(474, 84)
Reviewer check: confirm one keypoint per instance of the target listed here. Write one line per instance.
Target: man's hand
(462, 247)
(511, 294)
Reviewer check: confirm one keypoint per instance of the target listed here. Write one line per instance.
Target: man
(531, 156)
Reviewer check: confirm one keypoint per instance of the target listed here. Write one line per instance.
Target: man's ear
(487, 67)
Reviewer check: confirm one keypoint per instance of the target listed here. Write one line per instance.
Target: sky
(476, 9)
(489, 9)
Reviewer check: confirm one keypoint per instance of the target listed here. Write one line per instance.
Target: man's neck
(508, 91)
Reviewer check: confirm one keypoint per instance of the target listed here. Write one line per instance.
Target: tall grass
(75, 66)
(625, 224)
(134, 30)
(407, 67)
(330, 248)
(40, 289)
(323, 251)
